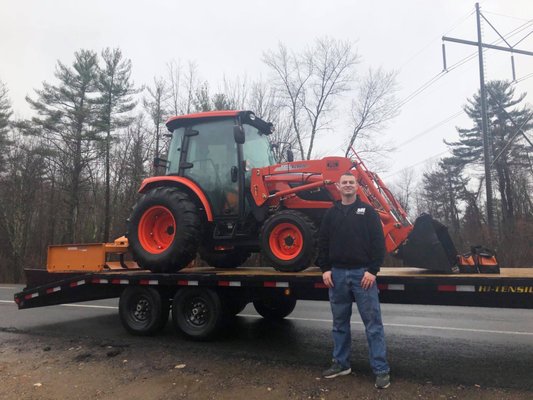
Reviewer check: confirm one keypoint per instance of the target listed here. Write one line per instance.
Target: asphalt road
(444, 345)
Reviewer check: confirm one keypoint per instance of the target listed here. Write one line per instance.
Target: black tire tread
(188, 231)
(306, 260)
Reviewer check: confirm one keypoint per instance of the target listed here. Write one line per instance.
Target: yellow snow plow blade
(91, 257)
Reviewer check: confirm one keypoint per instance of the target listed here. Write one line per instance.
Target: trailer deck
(512, 288)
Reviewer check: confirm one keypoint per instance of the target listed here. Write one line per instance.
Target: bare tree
(131, 165)
(116, 101)
(265, 102)
(191, 84)
(5, 115)
(19, 198)
(374, 104)
(310, 82)
(403, 189)
(236, 92)
(154, 105)
(174, 86)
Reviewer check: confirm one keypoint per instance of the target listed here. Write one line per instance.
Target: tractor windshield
(256, 149)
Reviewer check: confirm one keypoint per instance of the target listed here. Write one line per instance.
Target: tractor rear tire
(224, 259)
(164, 230)
(289, 241)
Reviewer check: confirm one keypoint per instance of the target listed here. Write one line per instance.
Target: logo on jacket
(360, 211)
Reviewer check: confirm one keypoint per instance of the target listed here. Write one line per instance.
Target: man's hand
(368, 280)
(326, 277)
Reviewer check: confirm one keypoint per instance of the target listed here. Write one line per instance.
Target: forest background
(71, 162)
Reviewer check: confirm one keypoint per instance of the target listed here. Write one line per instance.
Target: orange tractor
(224, 197)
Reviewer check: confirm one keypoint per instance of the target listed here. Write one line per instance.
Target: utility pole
(487, 142)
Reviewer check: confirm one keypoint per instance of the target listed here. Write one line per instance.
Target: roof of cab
(183, 120)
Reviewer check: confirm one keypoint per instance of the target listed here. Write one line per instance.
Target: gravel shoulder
(45, 367)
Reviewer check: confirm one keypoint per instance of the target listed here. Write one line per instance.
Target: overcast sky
(228, 38)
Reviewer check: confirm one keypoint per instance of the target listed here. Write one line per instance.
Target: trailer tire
(289, 241)
(197, 312)
(234, 305)
(224, 259)
(164, 230)
(142, 310)
(275, 308)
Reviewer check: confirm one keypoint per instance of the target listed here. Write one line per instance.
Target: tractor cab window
(257, 151)
(212, 153)
(174, 151)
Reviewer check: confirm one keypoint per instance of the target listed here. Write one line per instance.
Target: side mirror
(238, 134)
(290, 155)
(160, 162)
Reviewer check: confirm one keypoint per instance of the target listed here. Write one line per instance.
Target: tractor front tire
(289, 241)
(164, 230)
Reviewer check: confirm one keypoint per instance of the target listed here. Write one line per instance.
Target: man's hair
(347, 173)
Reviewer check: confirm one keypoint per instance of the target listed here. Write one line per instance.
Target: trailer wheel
(289, 241)
(142, 310)
(275, 308)
(224, 259)
(197, 312)
(164, 230)
(234, 305)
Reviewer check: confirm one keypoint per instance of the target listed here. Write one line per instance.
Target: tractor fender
(178, 181)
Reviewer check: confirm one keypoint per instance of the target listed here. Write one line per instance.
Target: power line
(431, 128)
(418, 163)
(459, 22)
(524, 78)
(461, 62)
(506, 16)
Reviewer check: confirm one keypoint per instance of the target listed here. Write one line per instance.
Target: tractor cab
(217, 150)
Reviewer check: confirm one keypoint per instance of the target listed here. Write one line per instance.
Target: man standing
(351, 251)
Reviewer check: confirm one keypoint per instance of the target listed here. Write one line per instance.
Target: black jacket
(351, 237)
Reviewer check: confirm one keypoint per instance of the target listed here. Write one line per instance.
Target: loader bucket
(429, 246)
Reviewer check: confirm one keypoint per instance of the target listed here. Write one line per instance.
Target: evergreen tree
(67, 123)
(443, 189)
(202, 101)
(505, 116)
(116, 90)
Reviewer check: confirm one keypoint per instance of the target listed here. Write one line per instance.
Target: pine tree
(67, 123)
(505, 115)
(115, 102)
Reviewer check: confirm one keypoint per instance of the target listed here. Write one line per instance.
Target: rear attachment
(92, 257)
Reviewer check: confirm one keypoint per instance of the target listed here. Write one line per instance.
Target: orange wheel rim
(157, 229)
(286, 241)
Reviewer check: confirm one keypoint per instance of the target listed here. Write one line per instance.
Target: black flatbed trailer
(204, 298)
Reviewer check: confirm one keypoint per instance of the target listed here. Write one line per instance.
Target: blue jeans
(347, 287)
